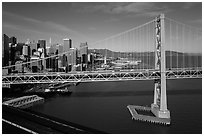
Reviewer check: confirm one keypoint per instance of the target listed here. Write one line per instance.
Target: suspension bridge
(160, 49)
(130, 55)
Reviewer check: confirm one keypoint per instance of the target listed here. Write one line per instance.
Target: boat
(50, 90)
(64, 91)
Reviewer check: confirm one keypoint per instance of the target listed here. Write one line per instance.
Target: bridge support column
(159, 107)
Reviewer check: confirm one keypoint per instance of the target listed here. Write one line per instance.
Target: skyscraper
(12, 49)
(13, 40)
(26, 51)
(67, 45)
(83, 49)
(72, 56)
(19, 47)
(42, 44)
(5, 50)
(84, 52)
(33, 48)
(61, 61)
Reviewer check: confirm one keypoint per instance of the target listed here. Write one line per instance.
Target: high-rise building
(51, 63)
(72, 56)
(42, 56)
(42, 44)
(18, 66)
(36, 64)
(61, 60)
(26, 51)
(13, 40)
(83, 49)
(12, 50)
(59, 48)
(67, 45)
(51, 50)
(5, 50)
(90, 58)
(19, 47)
(33, 48)
(83, 53)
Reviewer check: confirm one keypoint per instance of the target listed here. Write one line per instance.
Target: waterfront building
(5, 50)
(52, 64)
(19, 66)
(35, 65)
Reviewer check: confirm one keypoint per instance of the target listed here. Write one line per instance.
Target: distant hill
(173, 59)
(130, 54)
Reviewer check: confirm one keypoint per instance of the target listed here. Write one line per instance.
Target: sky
(88, 21)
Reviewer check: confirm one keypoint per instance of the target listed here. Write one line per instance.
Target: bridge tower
(159, 107)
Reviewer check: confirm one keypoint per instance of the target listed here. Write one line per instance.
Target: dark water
(103, 106)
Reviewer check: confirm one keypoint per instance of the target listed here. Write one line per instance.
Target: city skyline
(88, 22)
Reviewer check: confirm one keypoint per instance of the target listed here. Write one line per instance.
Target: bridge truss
(99, 76)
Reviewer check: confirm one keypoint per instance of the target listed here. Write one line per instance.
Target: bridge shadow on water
(136, 88)
(133, 93)
(127, 88)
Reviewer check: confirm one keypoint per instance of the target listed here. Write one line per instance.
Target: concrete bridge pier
(159, 107)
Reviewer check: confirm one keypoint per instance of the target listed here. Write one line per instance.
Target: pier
(152, 119)
(24, 102)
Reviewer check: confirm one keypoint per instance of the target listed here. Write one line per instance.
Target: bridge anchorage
(158, 110)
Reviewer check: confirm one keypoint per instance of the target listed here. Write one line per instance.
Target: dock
(147, 118)
(24, 101)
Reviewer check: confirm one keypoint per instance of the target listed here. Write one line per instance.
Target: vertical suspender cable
(183, 47)
(154, 41)
(190, 44)
(139, 45)
(147, 50)
(177, 45)
(170, 37)
(143, 46)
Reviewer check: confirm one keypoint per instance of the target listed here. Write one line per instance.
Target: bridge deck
(99, 76)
